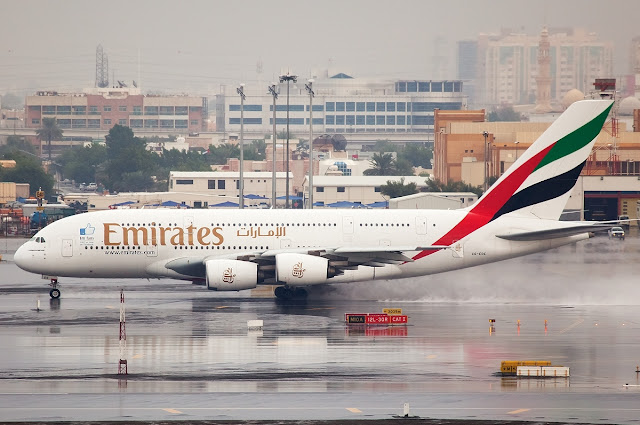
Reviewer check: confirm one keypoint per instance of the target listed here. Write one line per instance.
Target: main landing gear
(54, 292)
(288, 293)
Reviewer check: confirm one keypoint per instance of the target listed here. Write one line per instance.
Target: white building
(434, 201)
(362, 189)
(227, 183)
(343, 104)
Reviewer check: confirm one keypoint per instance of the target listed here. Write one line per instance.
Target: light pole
(484, 185)
(240, 91)
(309, 88)
(288, 78)
(274, 93)
(516, 149)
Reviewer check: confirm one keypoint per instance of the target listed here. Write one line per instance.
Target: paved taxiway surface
(191, 357)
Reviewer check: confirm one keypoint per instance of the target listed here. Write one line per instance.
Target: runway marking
(221, 307)
(431, 356)
(172, 411)
(354, 410)
(109, 306)
(320, 308)
(571, 326)
(513, 412)
(137, 356)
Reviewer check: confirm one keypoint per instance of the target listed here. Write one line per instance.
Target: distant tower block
(543, 80)
(102, 67)
(122, 364)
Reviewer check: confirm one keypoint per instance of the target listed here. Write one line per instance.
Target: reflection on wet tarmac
(183, 339)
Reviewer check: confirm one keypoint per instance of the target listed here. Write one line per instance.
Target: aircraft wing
(341, 258)
(561, 232)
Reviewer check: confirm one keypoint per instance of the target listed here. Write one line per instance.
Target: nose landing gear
(54, 292)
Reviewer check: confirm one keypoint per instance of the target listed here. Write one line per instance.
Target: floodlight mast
(288, 78)
(309, 87)
(274, 92)
(240, 91)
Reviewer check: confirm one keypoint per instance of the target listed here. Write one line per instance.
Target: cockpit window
(38, 239)
(33, 239)
(41, 240)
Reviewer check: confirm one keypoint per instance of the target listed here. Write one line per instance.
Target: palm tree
(49, 131)
(382, 164)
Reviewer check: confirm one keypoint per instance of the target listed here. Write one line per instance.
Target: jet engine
(231, 275)
(301, 269)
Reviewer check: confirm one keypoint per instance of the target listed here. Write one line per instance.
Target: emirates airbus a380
(233, 250)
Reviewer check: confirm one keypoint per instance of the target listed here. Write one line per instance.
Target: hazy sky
(196, 45)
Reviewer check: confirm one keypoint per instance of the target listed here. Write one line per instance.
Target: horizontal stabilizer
(556, 233)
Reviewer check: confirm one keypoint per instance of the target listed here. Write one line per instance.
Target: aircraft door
(67, 247)
(421, 225)
(347, 225)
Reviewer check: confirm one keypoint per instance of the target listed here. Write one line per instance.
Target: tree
(416, 155)
(49, 131)
(435, 185)
(504, 113)
(17, 143)
(219, 154)
(80, 163)
(395, 189)
(27, 170)
(382, 164)
(126, 154)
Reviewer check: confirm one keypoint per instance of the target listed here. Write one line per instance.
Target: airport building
(102, 108)
(227, 183)
(610, 179)
(358, 189)
(382, 109)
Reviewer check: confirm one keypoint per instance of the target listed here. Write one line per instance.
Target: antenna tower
(102, 67)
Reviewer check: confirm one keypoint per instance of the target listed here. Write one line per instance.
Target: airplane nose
(21, 257)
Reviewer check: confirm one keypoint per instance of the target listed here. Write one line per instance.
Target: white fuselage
(139, 243)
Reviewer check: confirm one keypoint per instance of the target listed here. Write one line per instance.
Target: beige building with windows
(227, 183)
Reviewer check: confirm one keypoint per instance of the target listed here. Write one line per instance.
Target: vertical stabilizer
(540, 181)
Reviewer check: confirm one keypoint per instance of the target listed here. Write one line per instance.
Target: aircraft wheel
(300, 293)
(54, 293)
(282, 293)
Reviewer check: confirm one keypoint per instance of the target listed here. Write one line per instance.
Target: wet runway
(191, 357)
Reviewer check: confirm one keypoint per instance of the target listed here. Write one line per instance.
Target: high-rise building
(508, 65)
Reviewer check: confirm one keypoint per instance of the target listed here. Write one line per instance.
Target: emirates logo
(228, 276)
(298, 271)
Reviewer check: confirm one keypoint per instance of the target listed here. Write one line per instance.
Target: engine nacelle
(231, 275)
(301, 269)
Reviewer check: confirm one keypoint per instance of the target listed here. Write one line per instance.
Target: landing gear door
(67, 248)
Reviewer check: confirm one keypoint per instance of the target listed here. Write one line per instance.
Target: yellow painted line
(172, 410)
(109, 306)
(571, 326)
(518, 411)
(431, 356)
(354, 410)
(222, 306)
(137, 356)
